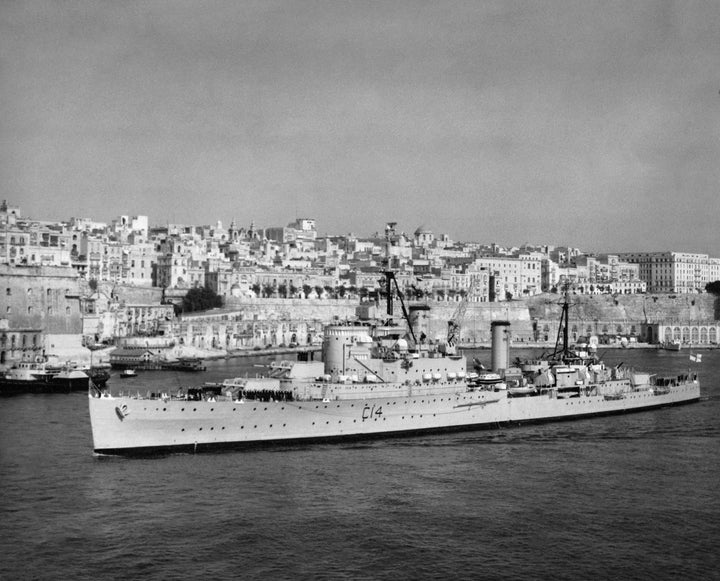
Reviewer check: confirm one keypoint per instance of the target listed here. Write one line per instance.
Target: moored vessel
(27, 377)
(674, 345)
(39, 377)
(183, 364)
(379, 382)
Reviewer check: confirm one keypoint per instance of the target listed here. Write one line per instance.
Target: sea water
(622, 497)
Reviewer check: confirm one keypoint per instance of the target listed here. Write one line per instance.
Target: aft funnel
(500, 345)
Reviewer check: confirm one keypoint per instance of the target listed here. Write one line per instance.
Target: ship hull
(123, 425)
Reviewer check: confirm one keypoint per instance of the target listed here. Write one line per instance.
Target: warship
(377, 382)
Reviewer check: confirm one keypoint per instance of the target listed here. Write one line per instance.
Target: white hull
(127, 425)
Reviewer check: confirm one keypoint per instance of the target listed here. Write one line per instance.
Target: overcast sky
(589, 124)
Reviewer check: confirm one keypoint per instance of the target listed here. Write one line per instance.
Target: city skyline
(590, 125)
(397, 229)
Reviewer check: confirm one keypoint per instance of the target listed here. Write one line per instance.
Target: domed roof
(422, 230)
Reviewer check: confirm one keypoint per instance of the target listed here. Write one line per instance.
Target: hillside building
(671, 272)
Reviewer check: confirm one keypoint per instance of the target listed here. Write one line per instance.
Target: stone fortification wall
(293, 309)
(250, 323)
(137, 295)
(637, 308)
(247, 323)
(475, 325)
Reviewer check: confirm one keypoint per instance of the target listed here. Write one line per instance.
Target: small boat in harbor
(674, 345)
(127, 373)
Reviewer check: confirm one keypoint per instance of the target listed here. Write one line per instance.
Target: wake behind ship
(379, 382)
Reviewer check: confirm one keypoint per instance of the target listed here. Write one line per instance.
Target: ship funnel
(340, 343)
(500, 345)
